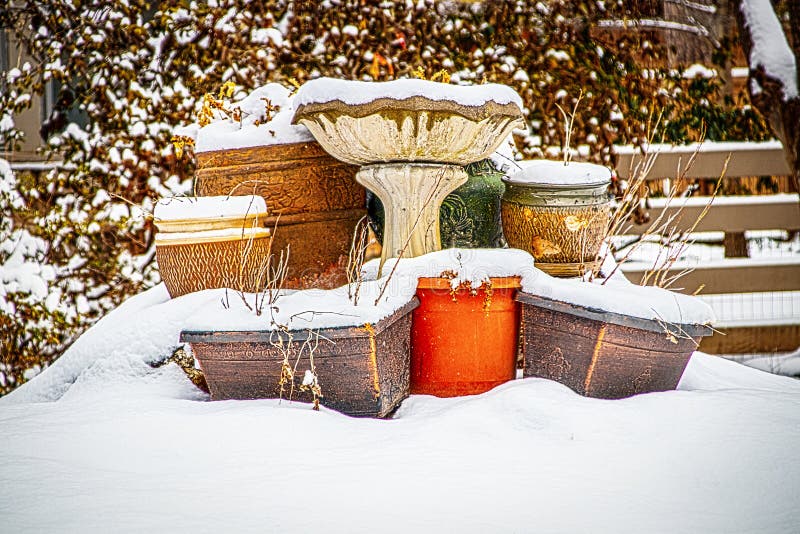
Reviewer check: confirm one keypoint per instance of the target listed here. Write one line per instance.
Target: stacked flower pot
(429, 321)
(210, 242)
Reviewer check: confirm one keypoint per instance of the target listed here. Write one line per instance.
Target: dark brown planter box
(603, 354)
(313, 201)
(362, 371)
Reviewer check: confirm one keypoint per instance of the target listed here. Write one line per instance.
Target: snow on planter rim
(622, 297)
(358, 93)
(302, 309)
(317, 308)
(462, 265)
(219, 207)
(555, 174)
(476, 266)
(224, 134)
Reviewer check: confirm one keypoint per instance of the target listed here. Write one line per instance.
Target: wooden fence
(764, 278)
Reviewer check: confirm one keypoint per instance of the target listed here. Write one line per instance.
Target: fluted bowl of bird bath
(412, 139)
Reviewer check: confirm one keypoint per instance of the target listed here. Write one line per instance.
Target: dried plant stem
(311, 344)
(355, 259)
(569, 122)
(666, 226)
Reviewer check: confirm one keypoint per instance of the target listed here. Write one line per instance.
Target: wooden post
(735, 245)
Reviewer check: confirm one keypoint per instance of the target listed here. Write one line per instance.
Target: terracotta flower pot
(312, 197)
(603, 354)
(561, 224)
(362, 371)
(464, 342)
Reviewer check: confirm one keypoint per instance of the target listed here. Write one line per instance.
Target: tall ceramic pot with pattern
(313, 199)
(559, 213)
(469, 216)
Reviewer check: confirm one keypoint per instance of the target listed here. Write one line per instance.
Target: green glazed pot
(469, 216)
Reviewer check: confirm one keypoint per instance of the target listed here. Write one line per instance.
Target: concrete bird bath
(412, 139)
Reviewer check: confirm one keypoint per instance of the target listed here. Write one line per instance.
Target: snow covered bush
(127, 72)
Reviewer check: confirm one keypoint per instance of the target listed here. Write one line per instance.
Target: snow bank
(183, 208)
(353, 93)
(117, 350)
(555, 173)
(141, 442)
(146, 328)
(705, 459)
(225, 134)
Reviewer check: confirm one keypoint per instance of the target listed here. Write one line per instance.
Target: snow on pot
(314, 202)
(412, 138)
(465, 332)
(609, 341)
(559, 213)
(211, 242)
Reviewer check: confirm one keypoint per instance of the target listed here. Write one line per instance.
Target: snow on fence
(757, 300)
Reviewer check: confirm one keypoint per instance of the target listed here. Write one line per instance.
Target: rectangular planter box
(603, 354)
(362, 371)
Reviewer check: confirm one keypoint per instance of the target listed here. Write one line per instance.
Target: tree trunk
(782, 114)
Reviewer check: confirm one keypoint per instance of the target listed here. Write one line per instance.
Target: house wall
(30, 120)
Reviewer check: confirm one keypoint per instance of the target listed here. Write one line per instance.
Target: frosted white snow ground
(128, 448)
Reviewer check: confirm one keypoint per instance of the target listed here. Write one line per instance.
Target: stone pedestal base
(412, 194)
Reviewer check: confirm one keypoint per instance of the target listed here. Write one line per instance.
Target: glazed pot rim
(440, 282)
(256, 148)
(168, 239)
(229, 221)
(619, 319)
(509, 180)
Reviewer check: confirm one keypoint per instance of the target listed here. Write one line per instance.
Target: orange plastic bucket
(464, 342)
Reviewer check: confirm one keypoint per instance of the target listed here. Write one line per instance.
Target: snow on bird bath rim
(324, 90)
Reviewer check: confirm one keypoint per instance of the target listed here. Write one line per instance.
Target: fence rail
(744, 159)
(730, 275)
(760, 279)
(728, 213)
